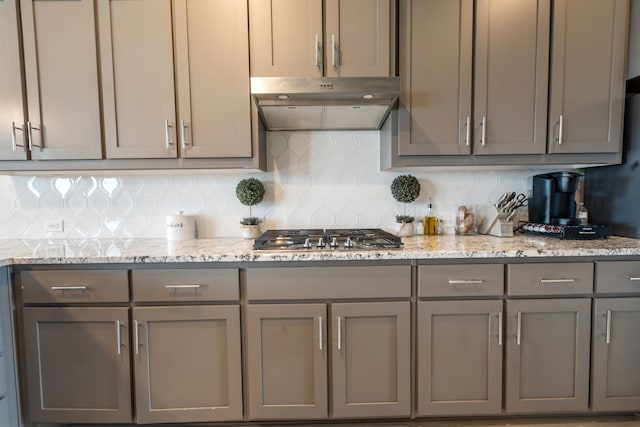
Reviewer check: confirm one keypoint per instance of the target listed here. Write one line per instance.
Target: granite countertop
(84, 251)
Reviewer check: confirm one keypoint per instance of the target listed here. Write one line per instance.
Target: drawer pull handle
(68, 288)
(466, 282)
(608, 340)
(633, 278)
(182, 286)
(519, 330)
(557, 280)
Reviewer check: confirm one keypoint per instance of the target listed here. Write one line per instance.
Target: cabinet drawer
(74, 286)
(460, 280)
(285, 283)
(550, 279)
(618, 277)
(205, 284)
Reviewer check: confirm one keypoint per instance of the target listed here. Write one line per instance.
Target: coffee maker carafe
(553, 200)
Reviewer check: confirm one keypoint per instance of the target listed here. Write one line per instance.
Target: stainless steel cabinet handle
(519, 328)
(316, 46)
(69, 288)
(136, 337)
(608, 339)
(320, 332)
(183, 132)
(466, 282)
(557, 280)
(467, 141)
(182, 286)
(118, 342)
(560, 126)
(333, 50)
(484, 131)
(339, 333)
(30, 129)
(500, 328)
(14, 143)
(167, 133)
(633, 279)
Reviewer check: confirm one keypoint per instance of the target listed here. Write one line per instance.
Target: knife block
(494, 222)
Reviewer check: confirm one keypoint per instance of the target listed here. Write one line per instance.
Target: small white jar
(180, 227)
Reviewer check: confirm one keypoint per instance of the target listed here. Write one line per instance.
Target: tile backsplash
(315, 179)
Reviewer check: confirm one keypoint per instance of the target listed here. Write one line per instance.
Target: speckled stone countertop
(85, 251)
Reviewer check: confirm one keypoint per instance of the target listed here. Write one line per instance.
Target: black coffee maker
(553, 200)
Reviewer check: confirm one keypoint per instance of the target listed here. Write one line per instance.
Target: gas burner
(332, 239)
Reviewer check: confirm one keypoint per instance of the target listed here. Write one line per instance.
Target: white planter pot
(251, 231)
(404, 229)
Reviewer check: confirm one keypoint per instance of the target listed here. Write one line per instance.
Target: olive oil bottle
(430, 221)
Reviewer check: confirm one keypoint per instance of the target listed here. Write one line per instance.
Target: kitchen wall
(315, 179)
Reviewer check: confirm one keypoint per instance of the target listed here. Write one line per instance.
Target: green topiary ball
(405, 188)
(250, 191)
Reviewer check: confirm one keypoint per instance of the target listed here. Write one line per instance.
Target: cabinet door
(616, 355)
(286, 38)
(187, 364)
(9, 415)
(286, 361)
(587, 76)
(435, 73)
(371, 359)
(459, 357)
(61, 74)
(77, 365)
(547, 357)
(214, 108)
(357, 38)
(12, 121)
(511, 76)
(136, 51)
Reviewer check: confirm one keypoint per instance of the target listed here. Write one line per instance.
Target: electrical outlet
(54, 226)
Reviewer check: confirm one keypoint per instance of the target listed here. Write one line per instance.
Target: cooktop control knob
(334, 243)
(348, 243)
(306, 244)
(321, 242)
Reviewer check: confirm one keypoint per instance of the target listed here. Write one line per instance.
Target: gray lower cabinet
(9, 414)
(369, 346)
(77, 364)
(459, 358)
(547, 355)
(187, 363)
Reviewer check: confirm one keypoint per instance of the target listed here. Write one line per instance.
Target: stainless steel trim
(194, 286)
(317, 48)
(30, 129)
(118, 341)
(557, 280)
(500, 328)
(333, 50)
(14, 143)
(183, 133)
(466, 282)
(468, 138)
(167, 134)
(519, 329)
(633, 278)
(136, 341)
(320, 332)
(339, 334)
(69, 288)
(484, 131)
(560, 130)
(608, 339)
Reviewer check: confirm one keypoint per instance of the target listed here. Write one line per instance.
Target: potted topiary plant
(405, 189)
(250, 192)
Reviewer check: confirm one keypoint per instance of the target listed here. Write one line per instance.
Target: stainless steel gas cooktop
(330, 239)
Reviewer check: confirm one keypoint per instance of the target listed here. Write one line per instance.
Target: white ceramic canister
(180, 227)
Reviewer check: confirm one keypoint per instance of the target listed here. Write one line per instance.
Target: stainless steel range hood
(324, 103)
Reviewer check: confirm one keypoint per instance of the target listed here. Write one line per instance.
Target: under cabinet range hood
(324, 103)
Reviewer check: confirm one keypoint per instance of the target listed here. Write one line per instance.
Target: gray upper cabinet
(459, 357)
(210, 86)
(77, 365)
(187, 364)
(371, 359)
(510, 82)
(586, 96)
(9, 408)
(286, 361)
(436, 46)
(547, 355)
(288, 38)
(61, 73)
(12, 118)
(511, 76)
(616, 354)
